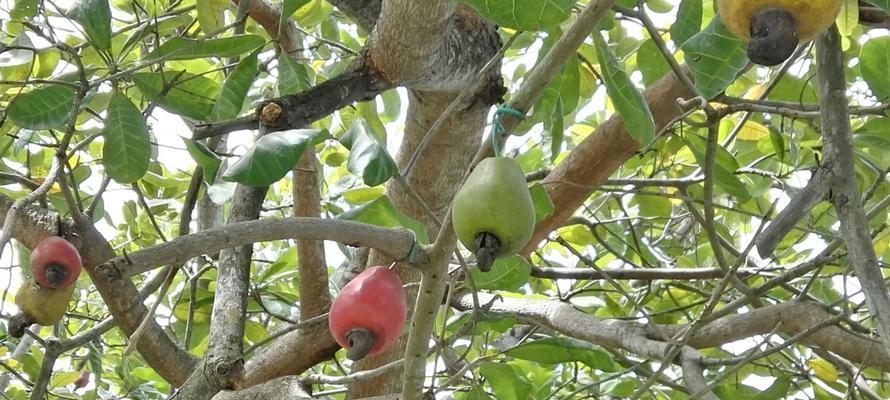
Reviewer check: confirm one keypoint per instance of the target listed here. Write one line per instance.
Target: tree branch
(285, 387)
(315, 296)
(395, 241)
(357, 83)
(123, 300)
(293, 353)
(222, 366)
(636, 274)
(363, 12)
(646, 340)
(32, 224)
(837, 137)
(797, 209)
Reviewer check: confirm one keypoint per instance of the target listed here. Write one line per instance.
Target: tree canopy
(704, 227)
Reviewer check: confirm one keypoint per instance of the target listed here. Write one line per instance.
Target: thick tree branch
(646, 340)
(837, 137)
(222, 366)
(292, 354)
(363, 12)
(357, 83)
(269, 17)
(286, 387)
(315, 297)
(407, 38)
(395, 241)
(123, 300)
(693, 374)
(794, 317)
(32, 224)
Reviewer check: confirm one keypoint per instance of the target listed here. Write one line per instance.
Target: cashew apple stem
(360, 341)
(489, 248)
(773, 36)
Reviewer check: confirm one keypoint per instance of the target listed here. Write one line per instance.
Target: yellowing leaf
(823, 370)
(755, 92)
(753, 131)
(55, 189)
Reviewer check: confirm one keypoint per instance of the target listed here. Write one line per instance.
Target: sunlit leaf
(127, 149)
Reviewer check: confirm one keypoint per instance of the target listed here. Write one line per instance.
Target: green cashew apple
(38, 304)
(493, 213)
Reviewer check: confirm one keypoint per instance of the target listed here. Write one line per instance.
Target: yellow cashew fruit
(38, 304)
(774, 28)
(493, 212)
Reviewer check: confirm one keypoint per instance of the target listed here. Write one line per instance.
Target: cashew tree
(417, 199)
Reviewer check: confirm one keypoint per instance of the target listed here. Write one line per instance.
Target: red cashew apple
(368, 315)
(55, 263)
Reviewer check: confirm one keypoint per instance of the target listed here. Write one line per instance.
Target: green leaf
(884, 4)
(293, 77)
(508, 274)
(16, 64)
(363, 195)
(179, 48)
(725, 166)
(874, 62)
(95, 18)
(190, 95)
(651, 62)
(627, 99)
(286, 261)
(543, 204)
(234, 90)
(24, 10)
(47, 60)
(653, 206)
(313, 13)
(557, 350)
(777, 141)
(688, 23)
(211, 14)
(525, 15)
(560, 97)
(715, 56)
(476, 393)
(504, 381)
(381, 212)
(734, 391)
(62, 379)
(127, 150)
(255, 331)
(271, 157)
(288, 9)
(367, 156)
(47, 107)
(848, 17)
(205, 158)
